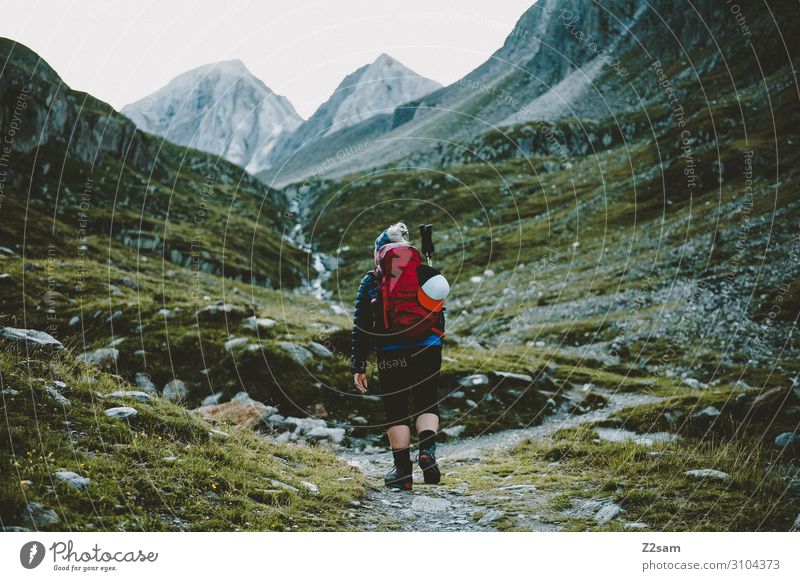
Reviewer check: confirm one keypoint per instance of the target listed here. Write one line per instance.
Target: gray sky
(122, 50)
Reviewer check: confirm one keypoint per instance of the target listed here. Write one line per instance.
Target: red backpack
(403, 316)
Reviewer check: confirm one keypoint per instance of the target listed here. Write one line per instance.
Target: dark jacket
(366, 335)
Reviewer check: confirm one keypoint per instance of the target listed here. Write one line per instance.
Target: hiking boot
(429, 467)
(397, 478)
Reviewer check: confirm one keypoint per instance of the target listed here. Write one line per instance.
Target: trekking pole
(426, 235)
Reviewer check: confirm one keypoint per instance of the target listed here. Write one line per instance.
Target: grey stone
(74, 321)
(121, 412)
(786, 439)
(707, 473)
(312, 488)
(38, 515)
(520, 487)
(608, 512)
(143, 382)
(284, 486)
(360, 420)
(796, 526)
(693, 383)
(298, 353)
(212, 399)
(236, 343)
(320, 350)
(30, 339)
(175, 391)
(53, 394)
(130, 394)
(258, 323)
(335, 435)
(706, 412)
(9, 392)
(454, 431)
(104, 358)
(511, 375)
(491, 516)
(73, 479)
(474, 380)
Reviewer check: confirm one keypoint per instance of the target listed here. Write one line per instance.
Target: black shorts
(406, 374)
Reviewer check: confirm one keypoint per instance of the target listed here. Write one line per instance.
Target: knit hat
(394, 233)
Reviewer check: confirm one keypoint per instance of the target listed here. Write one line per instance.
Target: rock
(218, 310)
(707, 473)
(53, 394)
(74, 321)
(38, 515)
(143, 382)
(30, 339)
(242, 396)
(312, 488)
(520, 487)
(471, 403)
(136, 395)
(166, 313)
(236, 343)
(608, 512)
(454, 431)
(9, 392)
(360, 420)
(707, 412)
(212, 399)
(259, 324)
(320, 350)
(175, 391)
(429, 504)
(5, 250)
(318, 433)
(796, 526)
(693, 383)
(786, 439)
(458, 395)
(770, 401)
(491, 516)
(15, 529)
(121, 412)
(112, 316)
(517, 377)
(74, 480)
(298, 353)
(354, 504)
(318, 410)
(130, 283)
(276, 419)
(240, 413)
(474, 380)
(284, 486)
(105, 358)
(219, 433)
(304, 425)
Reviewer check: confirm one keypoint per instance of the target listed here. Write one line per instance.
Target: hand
(360, 381)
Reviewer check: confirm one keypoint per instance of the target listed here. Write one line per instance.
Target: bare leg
(425, 422)
(400, 436)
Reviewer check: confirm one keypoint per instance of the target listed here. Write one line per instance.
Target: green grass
(159, 470)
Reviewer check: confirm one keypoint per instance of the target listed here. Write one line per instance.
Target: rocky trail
(452, 505)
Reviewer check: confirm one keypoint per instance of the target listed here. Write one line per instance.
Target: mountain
(220, 108)
(81, 181)
(564, 59)
(371, 91)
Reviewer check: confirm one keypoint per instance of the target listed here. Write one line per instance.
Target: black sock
(427, 440)
(402, 459)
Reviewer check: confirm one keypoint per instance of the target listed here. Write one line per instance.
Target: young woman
(408, 372)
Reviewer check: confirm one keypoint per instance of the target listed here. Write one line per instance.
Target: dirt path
(449, 507)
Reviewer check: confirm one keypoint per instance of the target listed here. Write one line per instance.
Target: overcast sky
(123, 50)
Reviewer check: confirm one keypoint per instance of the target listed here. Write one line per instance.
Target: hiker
(399, 311)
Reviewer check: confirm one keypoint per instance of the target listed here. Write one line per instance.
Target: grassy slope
(159, 470)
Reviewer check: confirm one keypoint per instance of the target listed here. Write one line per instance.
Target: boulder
(240, 413)
(474, 380)
(491, 516)
(54, 394)
(786, 439)
(73, 479)
(707, 473)
(105, 358)
(299, 353)
(130, 394)
(235, 344)
(212, 399)
(175, 391)
(319, 433)
(143, 382)
(121, 412)
(30, 339)
(37, 515)
(608, 512)
(320, 350)
(242, 396)
(304, 425)
(258, 323)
